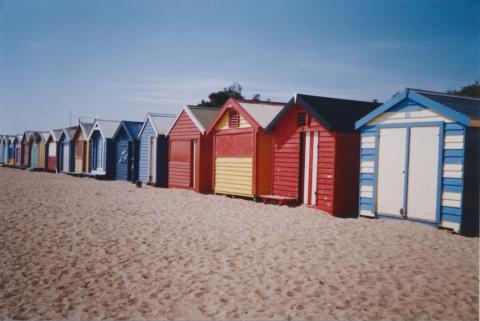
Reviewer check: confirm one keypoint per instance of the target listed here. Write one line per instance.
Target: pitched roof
(161, 123)
(335, 114)
(132, 128)
(107, 128)
(56, 133)
(463, 110)
(200, 116)
(86, 128)
(44, 135)
(262, 112)
(204, 115)
(468, 106)
(68, 132)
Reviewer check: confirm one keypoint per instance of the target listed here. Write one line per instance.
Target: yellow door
(233, 176)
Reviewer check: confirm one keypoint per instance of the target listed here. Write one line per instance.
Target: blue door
(121, 159)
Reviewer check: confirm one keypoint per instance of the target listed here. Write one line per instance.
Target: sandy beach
(78, 248)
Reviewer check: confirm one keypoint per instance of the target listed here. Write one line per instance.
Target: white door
(423, 173)
(100, 154)
(310, 168)
(52, 150)
(66, 163)
(391, 170)
(152, 160)
(194, 163)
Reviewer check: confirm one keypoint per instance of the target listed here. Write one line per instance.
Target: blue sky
(120, 59)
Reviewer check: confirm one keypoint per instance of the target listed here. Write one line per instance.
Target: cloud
(35, 45)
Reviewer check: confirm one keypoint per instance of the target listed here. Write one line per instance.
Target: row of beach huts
(415, 157)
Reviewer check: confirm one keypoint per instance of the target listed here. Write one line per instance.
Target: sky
(120, 59)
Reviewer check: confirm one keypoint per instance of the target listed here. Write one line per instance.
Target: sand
(78, 248)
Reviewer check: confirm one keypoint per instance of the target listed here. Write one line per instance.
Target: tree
(256, 97)
(472, 90)
(217, 99)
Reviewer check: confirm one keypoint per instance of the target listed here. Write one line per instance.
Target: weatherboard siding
(144, 146)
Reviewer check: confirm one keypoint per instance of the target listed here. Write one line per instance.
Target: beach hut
(18, 151)
(315, 152)
(2, 148)
(10, 150)
(51, 161)
(66, 150)
(190, 149)
(153, 154)
(420, 160)
(26, 149)
(37, 150)
(126, 148)
(81, 148)
(101, 147)
(242, 153)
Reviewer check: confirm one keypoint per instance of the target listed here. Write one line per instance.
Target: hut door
(391, 170)
(65, 163)
(310, 168)
(422, 173)
(193, 163)
(152, 160)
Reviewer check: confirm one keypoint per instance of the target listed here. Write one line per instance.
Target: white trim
(306, 174)
(148, 118)
(368, 213)
(154, 156)
(314, 168)
(95, 127)
(194, 119)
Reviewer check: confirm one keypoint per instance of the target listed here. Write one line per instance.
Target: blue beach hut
(101, 148)
(2, 148)
(126, 150)
(66, 150)
(153, 159)
(420, 160)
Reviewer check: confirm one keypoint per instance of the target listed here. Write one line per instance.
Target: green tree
(217, 99)
(472, 90)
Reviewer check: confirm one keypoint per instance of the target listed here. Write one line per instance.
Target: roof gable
(160, 123)
(460, 109)
(335, 114)
(200, 116)
(107, 128)
(132, 128)
(257, 113)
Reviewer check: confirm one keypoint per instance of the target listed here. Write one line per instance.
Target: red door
(180, 167)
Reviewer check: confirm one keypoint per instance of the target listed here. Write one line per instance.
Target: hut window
(301, 119)
(233, 119)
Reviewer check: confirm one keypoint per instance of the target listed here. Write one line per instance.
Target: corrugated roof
(204, 115)
(107, 127)
(162, 123)
(263, 113)
(467, 106)
(335, 113)
(44, 135)
(56, 134)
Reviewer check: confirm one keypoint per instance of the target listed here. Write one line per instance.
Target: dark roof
(467, 106)
(132, 128)
(334, 113)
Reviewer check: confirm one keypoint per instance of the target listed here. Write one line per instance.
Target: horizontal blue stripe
(366, 182)
(367, 176)
(452, 181)
(368, 134)
(367, 151)
(452, 211)
(364, 206)
(453, 160)
(452, 188)
(366, 200)
(451, 218)
(454, 132)
(366, 158)
(449, 126)
(453, 152)
(367, 129)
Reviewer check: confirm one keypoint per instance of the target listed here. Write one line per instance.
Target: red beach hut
(316, 152)
(242, 153)
(190, 149)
